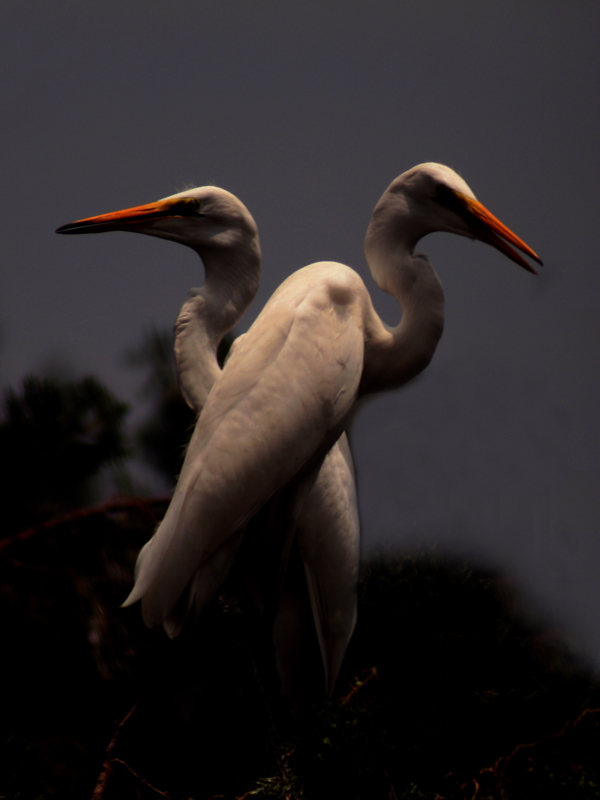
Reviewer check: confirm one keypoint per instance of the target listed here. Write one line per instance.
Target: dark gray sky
(307, 111)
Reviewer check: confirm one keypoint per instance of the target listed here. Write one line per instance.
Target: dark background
(307, 111)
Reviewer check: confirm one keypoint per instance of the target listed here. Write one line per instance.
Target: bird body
(286, 394)
(323, 514)
(321, 508)
(255, 435)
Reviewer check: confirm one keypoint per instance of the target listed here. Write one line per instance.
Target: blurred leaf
(54, 437)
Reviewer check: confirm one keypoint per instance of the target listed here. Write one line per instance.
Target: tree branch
(143, 504)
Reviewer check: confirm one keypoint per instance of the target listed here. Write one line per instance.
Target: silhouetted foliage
(164, 436)
(442, 679)
(54, 437)
(462, 678)
(447, 692)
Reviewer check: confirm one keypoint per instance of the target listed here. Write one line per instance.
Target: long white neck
(231, 283)
(395, 355)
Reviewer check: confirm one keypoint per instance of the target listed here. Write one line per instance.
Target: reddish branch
(357, 685)
(146, 505)
(107, 770)
(498, 768)
(392, 794)
(140, 779)
(501, 764)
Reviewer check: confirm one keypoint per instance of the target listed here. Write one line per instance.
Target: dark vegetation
(162, 438)
(55, 438)
(447, 691)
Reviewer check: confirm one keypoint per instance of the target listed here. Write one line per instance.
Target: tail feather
(152, 554)
(203, 586)
(156, 590)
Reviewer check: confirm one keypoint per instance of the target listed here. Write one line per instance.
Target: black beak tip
(66, 229)
(79, 227)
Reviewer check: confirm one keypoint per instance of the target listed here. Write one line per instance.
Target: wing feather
(279, 402)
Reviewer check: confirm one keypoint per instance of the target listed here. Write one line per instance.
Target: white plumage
(286, 393)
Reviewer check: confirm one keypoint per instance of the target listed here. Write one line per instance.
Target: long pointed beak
(488, 228)
(132, 218)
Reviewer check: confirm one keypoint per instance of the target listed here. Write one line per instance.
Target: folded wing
(280, 403)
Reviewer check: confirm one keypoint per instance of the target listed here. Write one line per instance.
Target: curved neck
(394, 356)
(231, 283)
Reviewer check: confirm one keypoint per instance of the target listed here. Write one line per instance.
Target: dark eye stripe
(446, 197)
(453, 201)
(186, 207)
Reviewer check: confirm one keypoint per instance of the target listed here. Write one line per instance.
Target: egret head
(201, 218)
(432, 197)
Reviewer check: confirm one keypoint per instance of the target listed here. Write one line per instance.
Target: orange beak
(130, 218)
(489, 229)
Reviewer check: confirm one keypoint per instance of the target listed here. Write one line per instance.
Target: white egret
(285, 395)
(325, 523)
(323, 510)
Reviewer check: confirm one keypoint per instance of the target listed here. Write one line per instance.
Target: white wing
(278, 406)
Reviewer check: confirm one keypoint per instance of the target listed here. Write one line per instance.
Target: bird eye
(193, 204)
